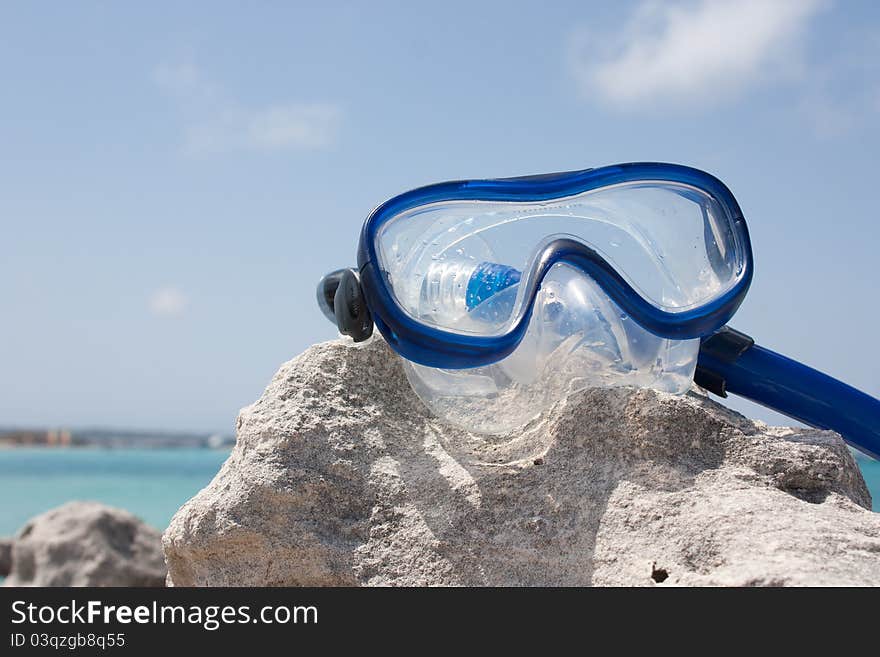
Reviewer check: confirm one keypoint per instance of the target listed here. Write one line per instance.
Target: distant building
(220, 441)
(58, 438)
(36, 437)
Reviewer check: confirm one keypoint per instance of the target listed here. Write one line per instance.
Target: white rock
(86, 544)
(341, 477)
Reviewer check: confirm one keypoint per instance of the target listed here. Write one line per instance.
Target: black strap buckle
(727, 345)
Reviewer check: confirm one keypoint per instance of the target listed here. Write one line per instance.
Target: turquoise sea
(152, 484)
(871, 473)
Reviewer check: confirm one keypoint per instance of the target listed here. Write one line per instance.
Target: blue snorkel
(731, 362)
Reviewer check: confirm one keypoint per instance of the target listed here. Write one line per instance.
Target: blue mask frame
(729, 361)
(433, 347)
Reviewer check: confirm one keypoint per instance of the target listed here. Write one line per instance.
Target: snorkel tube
(731, 362)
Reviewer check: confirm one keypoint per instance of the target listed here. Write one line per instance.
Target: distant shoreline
(108, 448)
(110, 438)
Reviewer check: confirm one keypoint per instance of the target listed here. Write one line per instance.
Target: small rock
(86, 544)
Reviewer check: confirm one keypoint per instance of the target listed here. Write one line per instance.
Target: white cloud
(168, 302)
(216, 123)
(278, 127)
(693, 53)
(182, 78)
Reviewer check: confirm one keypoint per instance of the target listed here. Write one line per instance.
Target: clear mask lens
(673, 243)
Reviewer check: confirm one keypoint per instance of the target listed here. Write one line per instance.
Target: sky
(175, 177)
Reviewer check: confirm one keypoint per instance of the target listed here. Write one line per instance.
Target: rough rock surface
(86, 544)
(341, 477)
(5, 556)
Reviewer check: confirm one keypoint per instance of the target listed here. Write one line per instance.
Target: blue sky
(175, 179)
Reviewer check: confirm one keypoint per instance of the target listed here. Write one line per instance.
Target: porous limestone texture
(5, 556)
(86, 544)
(341, 477)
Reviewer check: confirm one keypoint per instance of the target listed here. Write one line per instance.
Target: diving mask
(504, 296)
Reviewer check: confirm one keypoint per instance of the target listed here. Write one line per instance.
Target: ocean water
(871, 473)
(152, 484)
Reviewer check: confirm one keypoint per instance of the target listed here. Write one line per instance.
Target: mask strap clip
(726, 345)
(341, 291)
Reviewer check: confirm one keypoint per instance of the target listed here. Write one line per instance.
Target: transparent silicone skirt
(577, 338)
(588, 288)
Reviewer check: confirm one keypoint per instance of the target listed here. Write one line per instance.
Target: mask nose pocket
(577, 339)
(575, 332)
